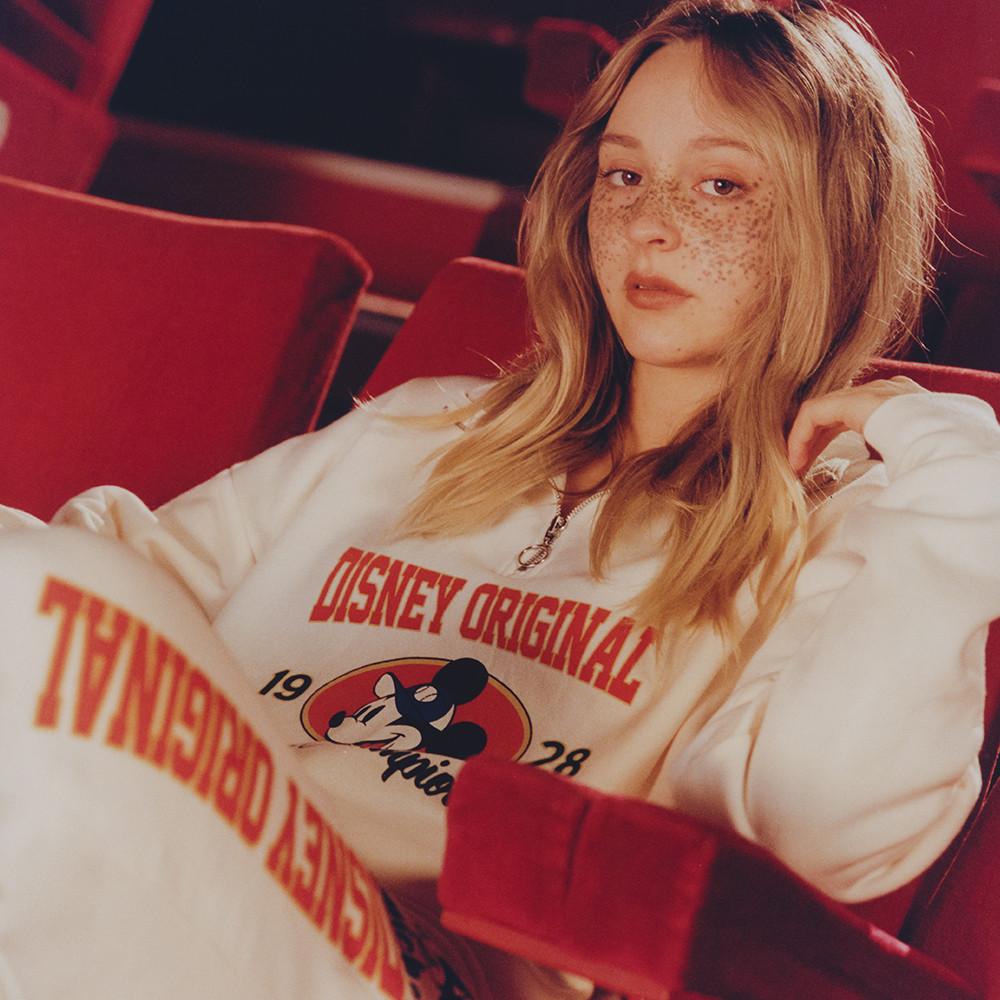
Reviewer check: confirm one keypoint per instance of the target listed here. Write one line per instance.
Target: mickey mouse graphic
(420, 716)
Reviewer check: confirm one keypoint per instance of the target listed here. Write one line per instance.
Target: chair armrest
(647, 901)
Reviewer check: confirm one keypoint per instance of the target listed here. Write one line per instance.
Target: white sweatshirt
(848, 745)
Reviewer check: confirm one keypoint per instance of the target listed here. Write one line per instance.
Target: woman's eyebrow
(617, 139)
(713, 141)
(702, 142)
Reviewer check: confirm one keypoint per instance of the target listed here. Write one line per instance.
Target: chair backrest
(407, 221)
(48, 134)
(563, 55)
(473, 319)
(59, 63)
(80, 44)
(150, 350)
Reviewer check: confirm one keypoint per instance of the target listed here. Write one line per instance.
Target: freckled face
(672, 204)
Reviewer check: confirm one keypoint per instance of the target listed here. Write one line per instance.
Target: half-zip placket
(534, 555)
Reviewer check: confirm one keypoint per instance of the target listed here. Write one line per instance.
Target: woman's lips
(647, 291)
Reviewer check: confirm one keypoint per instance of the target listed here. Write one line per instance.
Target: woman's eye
(622, 178)
(721, 187)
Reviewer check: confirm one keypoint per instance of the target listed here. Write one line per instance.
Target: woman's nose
(653, 225)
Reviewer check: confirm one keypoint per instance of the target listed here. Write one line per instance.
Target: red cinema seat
(110, 28)
(59, 63)
(48, 134)
(563, 55)
(81, 44)
(434, 340)
(151, 350)
(722, 918)
(407, 221)
(982, 148)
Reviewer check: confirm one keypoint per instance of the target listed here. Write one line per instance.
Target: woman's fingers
(822, 418)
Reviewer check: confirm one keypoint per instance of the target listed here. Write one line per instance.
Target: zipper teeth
(572, 512)
(583, 503)
(562, 520)
(556, 527)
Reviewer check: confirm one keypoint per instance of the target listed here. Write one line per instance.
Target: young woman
(672, 553)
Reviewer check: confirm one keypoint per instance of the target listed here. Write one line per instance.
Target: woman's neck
(660, 402)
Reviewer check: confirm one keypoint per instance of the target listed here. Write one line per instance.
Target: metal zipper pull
(535, 555)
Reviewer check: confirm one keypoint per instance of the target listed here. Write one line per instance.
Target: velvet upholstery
(960, 922)
(647, 901)
(563, 56)
(151, 350)
(48, 134)
(81, 44)
(407, 221)
(471, 320)
(59, 63)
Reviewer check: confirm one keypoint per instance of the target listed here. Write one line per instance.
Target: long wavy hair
(848, 263)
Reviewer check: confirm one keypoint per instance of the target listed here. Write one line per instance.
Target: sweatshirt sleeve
(849, 745)
(210, 537)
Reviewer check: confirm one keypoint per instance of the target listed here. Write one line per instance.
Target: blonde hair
(849, 262)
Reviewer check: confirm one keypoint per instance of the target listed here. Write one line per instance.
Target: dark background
(432, 85)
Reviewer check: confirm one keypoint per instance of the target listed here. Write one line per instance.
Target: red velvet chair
(48, 134)
(111, 28)
(982, 148)
(721, 918)
(151, 350)
(407, 221)
(59, 63)
(563, 56)
(81, 44)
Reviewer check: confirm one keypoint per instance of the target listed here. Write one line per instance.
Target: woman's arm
(849, 745)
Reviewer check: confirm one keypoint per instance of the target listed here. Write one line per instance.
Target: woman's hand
(822, 418)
